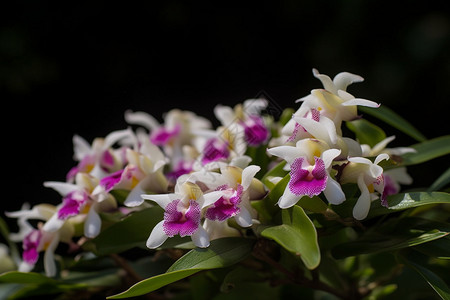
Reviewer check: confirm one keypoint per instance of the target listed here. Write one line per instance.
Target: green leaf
(404, 201)
(286, 115)
(298, 235)
(133, 231)
(441, 182)
(439, 248)
(376, 242)
(438, 285)
(366, 132)
(22, 277)
(390, 117)
(427, 150)
(221, 253)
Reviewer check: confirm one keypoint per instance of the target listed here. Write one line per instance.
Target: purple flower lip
(227, 206)
(181, 220)
(162, 136)
(256, 132)
(72, 204)
(306, 179)
(214, 150)
(30, 247)
(110, 181)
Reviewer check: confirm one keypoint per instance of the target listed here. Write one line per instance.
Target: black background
(76, 67)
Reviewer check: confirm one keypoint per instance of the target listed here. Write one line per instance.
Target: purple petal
(107, 158)
(181, 168)
(214, 150)
(255, 131)
(162, 136)
(30, 245)
(306, 182)
(72, 204)
(227, 206)
(110, 181)
(181, 222)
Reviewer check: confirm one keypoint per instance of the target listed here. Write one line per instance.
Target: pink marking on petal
(162, 136)
(214, 150)
(315, 115)
(72, 204)
(30, 245)
(305, 181)
(227, 206)
(72, 173)
(183, 222)
(107, 158)
(255, 131)
(110, 181)
(183, 167)
(389, 189)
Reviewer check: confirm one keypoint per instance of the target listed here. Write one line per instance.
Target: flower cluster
(206, 179)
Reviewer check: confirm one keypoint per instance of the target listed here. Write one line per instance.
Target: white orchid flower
(310, 162)
(368, 176)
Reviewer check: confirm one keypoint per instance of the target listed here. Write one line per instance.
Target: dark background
(75, 68)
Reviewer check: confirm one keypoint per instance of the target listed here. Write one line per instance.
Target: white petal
(362, 102)
(200, 238)
(63, 188)
(360, 160)
(288, 199)
(362, 205)
(157, 237)
(161, 199)
(288, 153)
(333, 192)
(248, 174)
(49, 257)
(81, 147)
(380, 157)
(323, 131)
(93, 224)
(224, 114)
(254, 106)
(326, 81)
(342, 80)
(381, 145)
(243, 218)
(354, 148)
(211, 197)
(25, 267)
(400, 175)
(134, 197)
(141, 118)
(116, 136)
(240, 161)
(53, 224)
(329, 155)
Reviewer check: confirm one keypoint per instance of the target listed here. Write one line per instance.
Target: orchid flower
(393, 178)
(310, 163)
(368, 176)
(79, 200)
(334, 102)
(239, 187)
(98, 159)
(142, 174)
(183, 214)
(245, 117)
(38, 240)
(222, 145)
(175, 132)
(380, 147)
